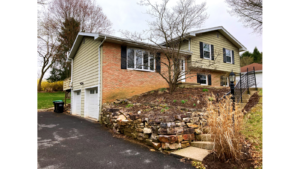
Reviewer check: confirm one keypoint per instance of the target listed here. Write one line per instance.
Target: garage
(76, 104)
(91, 103)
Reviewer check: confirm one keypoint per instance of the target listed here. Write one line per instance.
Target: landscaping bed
(196, 98)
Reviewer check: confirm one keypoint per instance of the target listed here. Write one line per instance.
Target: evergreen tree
(66, 38)
(257, 56)
(247, 54)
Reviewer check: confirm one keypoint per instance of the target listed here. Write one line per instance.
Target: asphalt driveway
(66, 141)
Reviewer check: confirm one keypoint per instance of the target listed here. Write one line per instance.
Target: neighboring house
(258, 73)
(104, 67)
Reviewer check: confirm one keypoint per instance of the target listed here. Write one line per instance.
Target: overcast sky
(128, 15)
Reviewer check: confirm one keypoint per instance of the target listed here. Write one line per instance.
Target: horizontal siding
(86, 67)
(185, 45)
(219, 44)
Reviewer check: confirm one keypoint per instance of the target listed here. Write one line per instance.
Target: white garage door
(76, 102)
(91, 102)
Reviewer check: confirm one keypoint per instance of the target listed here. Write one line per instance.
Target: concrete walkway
(66, 141)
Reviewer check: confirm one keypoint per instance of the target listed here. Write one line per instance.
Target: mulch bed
(184, 97)
(254, 99)
(211, 162)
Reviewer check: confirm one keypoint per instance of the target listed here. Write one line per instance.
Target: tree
(246, 60)
(66, 38)
(256, 55)
(247, 54)
(47, 45)
(87, 12)
(170, 26)
(249, 12)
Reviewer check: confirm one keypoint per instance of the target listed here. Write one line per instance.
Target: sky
(128, 15)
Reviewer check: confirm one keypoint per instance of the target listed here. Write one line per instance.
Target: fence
(246, 81)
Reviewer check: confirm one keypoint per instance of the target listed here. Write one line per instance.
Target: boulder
(168, 138)
(172, 146)
(156, 145)
(147, 130)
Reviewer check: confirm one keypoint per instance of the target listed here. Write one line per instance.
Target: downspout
(99, 81)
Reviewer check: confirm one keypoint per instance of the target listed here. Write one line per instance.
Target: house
(258, 73)
(103, 67)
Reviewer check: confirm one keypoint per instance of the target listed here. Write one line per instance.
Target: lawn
(253, 130)
(45, 100)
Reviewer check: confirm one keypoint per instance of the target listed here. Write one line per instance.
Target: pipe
(99, 67)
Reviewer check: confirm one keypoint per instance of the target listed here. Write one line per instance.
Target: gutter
(99, 74)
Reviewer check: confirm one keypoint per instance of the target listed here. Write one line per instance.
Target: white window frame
(230, 51)
(206, 79)
(209, 51)
(227, 81)
(134, 58)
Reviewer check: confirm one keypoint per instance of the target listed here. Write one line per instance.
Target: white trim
(189, 44)
(230, 51)
(99, 77)
(85, 101)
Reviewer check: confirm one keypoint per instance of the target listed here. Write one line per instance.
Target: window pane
(206, 47)
(202, 79)
(206, 54)
(130, 58)
(227, 52)
(146, 60)
(151, 62)
(228, 59)
(139, 59)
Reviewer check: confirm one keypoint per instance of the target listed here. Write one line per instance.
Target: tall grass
(225, 126)
(50, 87)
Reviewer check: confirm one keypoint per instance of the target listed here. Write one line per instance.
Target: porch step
(203, 144)
(205, 137)
(192, 153)
(241, 105)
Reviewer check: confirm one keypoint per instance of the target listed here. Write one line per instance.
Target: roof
(223, 31)
(114, 39)
(257, 67)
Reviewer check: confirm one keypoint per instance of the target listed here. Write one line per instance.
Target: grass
(253, 129)
(45, 100)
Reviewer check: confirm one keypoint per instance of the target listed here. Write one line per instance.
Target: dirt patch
(185, 97)
(211, 162)
(254, 99)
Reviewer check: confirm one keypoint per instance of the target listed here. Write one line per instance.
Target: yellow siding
(86, 67)
(219, 44)
(185, 45)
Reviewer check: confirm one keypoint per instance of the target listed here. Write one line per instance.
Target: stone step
(192, 153)
(205, 137)
(203, 144)
(241, 105)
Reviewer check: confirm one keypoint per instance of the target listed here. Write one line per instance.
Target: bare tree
(246, 60)
(87, 12)
(249, 12)
(47, 45)
(170, 26)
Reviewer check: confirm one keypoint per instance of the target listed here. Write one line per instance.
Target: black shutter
(157, 63)
(209, 79)
(123, 57)
(198, 78)
(224, 55)
(212, 52)
(232, 57)
(201, 49)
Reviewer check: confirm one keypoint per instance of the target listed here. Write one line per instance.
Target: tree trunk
(40, 82)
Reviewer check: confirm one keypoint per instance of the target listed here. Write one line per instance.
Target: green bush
(204, 90)
(183, 101)
(194, 104)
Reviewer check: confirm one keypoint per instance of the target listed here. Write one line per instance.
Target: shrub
(183, 101)
(194, 104)
(225, 126)
(174, 101)
(204, 90)
(54, 86)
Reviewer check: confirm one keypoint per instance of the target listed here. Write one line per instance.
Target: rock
(162, 131)
(191, 125)
(172, 146)
(148, 142)
(154, 137)
(139, 112)
(168, 138)
(198, 131)
(147, 130)
(178, 130)
(156, 145)
(179, 138)
(152, 150)
(139, 130)
(185, 145)
(188, 137)
(171, 131)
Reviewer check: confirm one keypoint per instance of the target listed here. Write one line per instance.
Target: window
(228, 56)
(91, 91)
(206, 51)
(203, 79)
(78, 92)
(140, 60)
(223, 81)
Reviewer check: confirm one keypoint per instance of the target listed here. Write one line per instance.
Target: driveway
(66, 141)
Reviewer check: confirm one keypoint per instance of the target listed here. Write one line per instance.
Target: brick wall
(215, 78)
(122, 83)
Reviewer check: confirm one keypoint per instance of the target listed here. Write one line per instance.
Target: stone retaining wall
(167, 131)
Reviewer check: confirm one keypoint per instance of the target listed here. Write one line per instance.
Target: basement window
(203, 79)
(138, 59)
